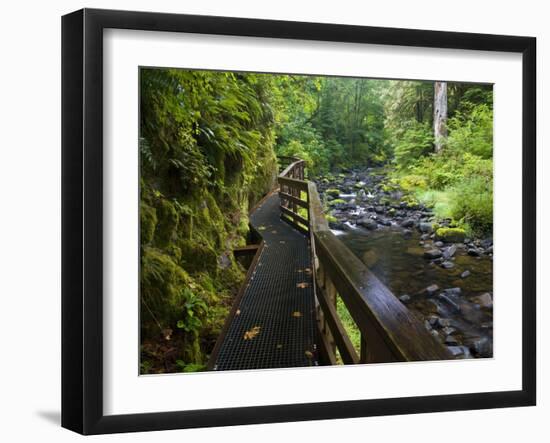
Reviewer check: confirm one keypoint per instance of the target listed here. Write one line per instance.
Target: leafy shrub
(472, 132)
(472, 203)
(414, 141)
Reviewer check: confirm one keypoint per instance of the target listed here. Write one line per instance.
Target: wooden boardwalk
(274, 322)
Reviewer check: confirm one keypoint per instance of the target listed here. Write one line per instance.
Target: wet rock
(450, 302)
(439, 244)
(444, 322)
(459, 351)
(407, 223)
(453, 291)
(405, 298)
(486, 243)
(379, 209)
(435, 334)
(474, 252)
(432, 253)
(447, 265)
(425, 227)
(431, 290)
(368, 223)
(449, 252)
(465, 274)
(447, 330)
(224, 261)
(482, 347)
(484, 300)
(427, 325)
(424, 236)
(407, 233)
(451, 341)
(433, 320)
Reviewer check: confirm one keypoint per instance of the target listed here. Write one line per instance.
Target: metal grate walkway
(274, 326)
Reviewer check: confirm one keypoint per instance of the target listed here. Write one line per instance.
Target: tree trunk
(440, 115)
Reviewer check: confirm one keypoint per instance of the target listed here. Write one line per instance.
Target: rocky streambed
(442, 276)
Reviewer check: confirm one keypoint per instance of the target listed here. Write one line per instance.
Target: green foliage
(472, 132)
(207, 153)
(349, 324)
(472, 203)
(413, 140)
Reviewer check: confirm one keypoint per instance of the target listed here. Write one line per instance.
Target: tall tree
(440, 115)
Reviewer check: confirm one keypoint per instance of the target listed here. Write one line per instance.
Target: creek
(447, 284)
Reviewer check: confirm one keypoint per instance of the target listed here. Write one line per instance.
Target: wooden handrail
(389, 331)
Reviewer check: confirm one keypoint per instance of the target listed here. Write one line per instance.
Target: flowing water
(398, 261)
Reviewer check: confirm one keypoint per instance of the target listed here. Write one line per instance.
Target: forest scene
(404, 174)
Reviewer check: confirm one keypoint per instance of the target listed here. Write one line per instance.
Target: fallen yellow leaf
(249, 335)
(309, 354)
(296, 314)
(302, 285)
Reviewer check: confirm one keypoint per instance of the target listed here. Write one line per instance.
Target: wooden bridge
(285, 314)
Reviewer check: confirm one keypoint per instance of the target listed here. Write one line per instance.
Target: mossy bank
(206, 157)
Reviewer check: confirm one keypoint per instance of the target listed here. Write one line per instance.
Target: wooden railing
(389, 331)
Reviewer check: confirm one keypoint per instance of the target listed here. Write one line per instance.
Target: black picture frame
(82, 219)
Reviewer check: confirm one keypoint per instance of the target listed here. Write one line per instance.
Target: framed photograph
(269, 221)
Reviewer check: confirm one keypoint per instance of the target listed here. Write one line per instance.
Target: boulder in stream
(425, 227)
(432, 253)
(367, 223)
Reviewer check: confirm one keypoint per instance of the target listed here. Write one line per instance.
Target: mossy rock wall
(198, 181)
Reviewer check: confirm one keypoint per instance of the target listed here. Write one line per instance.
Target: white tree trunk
(440, 115)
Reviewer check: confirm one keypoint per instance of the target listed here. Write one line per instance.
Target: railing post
(363, 358)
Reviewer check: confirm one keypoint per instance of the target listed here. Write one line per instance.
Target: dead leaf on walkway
(279, 346)
(296, 314)
(282, 242)
(273, 232)
(307, 271)
(261, 228)
(309, 354)
(249, 335)
(302, 285)
(238, 312)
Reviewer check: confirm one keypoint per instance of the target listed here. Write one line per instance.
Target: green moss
(336, 201)
(198, 256)
(331, 218)
(148, 222)
(167, 216)
(333, 192)
(450, 235)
